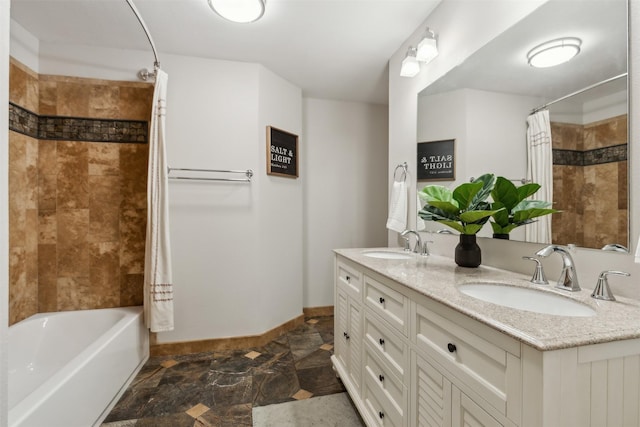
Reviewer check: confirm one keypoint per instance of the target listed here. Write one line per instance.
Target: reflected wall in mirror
(484, 103)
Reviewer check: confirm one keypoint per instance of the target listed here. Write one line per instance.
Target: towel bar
(402, 166)
(248, 173)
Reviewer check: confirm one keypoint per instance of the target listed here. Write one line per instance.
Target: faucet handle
(538, 277)
(407, 244)
(602, 290)
(424, 250)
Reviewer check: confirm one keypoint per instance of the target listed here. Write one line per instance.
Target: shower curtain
(540, 170)
(158, 283)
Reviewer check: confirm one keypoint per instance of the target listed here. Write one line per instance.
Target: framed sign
(282, 153)
(437, 160)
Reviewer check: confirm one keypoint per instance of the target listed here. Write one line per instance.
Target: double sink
(538, 301)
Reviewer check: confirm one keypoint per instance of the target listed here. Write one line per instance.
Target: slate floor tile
(220, 388)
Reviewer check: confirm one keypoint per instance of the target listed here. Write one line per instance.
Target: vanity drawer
(380, 408)
(388, 303)
(483, 363)
(382, 377)
(388, 346)
(349, 277)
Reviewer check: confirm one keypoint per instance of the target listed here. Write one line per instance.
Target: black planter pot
(468, 252)
(501, 236)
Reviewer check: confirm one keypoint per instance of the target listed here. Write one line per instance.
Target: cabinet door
(430, 394)
(466, 413)
(348, 336)
(341, 327)
(354, 365)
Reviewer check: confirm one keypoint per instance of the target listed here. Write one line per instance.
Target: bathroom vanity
(412, 350)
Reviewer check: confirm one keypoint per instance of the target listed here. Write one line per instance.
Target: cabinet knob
(451, 348)
(348, 279)
(381, 300)
(346, 335)
(381, 414)
(381, 340)
(381, 377)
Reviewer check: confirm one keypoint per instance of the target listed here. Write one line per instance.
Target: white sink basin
(526, 299)
(386, 254)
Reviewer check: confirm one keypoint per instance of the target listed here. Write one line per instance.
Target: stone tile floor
(220, 388)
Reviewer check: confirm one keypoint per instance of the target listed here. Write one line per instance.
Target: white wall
(237, 247)
(345, 199)
(462, 30)
(279, 249)
(4, 212)
(24, 46)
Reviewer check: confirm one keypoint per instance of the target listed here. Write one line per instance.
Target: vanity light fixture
(554, 52)
(428, 47)
(242, 11)
(410, 65)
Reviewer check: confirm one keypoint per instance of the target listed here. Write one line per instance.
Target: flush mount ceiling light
(242, 11)
(428, 47)
(410, 65)
(554, 52)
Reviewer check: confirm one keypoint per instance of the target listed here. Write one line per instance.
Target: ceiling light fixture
(410, 65)
(428, 47)
(554, 52)
(242, 11)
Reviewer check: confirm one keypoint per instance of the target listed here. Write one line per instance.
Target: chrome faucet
(420, 247)
(568, 277)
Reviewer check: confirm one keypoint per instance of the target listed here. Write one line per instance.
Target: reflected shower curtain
(540, 170)
(158, 282)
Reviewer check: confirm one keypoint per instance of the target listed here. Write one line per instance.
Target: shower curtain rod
(542, 107)
(144, 74)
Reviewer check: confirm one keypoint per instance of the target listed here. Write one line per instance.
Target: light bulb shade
(427, 48)
(554, 52)
(242, 11)
(410, 65)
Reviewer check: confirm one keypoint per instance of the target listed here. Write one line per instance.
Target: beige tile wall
(77, 210)
(593, 198)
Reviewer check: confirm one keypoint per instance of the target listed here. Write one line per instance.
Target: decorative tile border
(615, 153)
(23, 121)
(28, 123)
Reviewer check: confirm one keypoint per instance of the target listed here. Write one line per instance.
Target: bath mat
(334, 410)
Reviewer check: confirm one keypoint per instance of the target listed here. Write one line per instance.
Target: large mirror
(484, 103)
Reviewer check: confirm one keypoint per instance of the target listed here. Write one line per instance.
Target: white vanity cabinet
(408, 360)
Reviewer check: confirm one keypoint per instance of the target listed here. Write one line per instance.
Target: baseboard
(318, 311)
(235, 343)
(218, 344)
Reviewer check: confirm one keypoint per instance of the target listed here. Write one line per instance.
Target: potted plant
(464, 209)
(512, 209)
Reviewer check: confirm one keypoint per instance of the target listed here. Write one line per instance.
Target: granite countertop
(438, 277)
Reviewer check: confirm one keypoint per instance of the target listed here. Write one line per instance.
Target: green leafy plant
(511, 208)
(464, 209)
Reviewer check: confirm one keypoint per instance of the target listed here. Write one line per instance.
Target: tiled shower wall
(590, 183)
(77, 192)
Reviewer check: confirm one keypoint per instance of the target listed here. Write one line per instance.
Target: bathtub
(69, 368)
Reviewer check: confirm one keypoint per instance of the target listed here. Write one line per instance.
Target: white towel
(637, 257)
(397, 220)
(158, 282)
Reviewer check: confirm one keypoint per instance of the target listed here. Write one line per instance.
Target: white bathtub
(68, 369)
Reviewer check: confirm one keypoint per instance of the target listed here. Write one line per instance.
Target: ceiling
(501, 65)
(335, 49)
